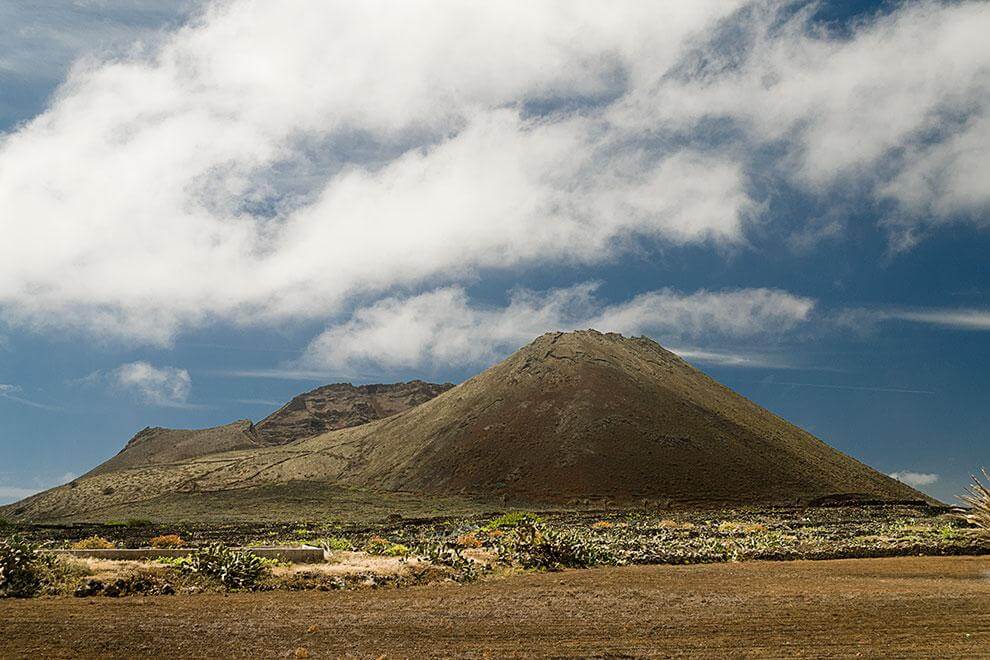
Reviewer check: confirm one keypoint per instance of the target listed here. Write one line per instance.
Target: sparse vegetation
(167, 541)
(232, 569)
(129, 522)
(93, 543)
(378, 545)
(740, 527)
(512, 519)
(336, 544)
(443, 553)
(20, 568)
(534, 545)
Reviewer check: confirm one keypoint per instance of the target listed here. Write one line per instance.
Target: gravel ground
(898, 607)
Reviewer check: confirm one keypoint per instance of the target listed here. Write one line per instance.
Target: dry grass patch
(93, 543)
(167, 541)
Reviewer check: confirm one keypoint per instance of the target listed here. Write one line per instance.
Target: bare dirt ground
(911, 606)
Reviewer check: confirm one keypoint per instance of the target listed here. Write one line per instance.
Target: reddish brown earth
(923, 607)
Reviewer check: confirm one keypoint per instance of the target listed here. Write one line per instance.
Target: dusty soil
(934, 606)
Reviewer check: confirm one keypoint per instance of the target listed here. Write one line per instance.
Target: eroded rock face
(340, 406)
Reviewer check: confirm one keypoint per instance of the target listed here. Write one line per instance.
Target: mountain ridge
(570, 417)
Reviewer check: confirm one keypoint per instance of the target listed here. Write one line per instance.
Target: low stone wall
(294, 555)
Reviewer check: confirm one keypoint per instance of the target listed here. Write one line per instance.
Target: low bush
(445, 553)
(512, 519)
(396, 550)
(21, 566)
(377, 545)
(167, 541)
(93, 543)
(232, 569)
(537, 546)
(336, 544)
(27, 570)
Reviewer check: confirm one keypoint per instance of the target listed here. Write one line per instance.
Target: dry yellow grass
(93, 543)
(167, 541)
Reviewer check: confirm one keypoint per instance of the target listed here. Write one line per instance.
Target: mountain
(326, 408)
(341, 406)
(157, 446)
(572, 418)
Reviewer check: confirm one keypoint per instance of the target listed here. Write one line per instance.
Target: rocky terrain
(570, 419)
(326, 408)
(342, 406)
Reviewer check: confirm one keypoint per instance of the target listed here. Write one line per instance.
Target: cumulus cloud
(277, 161)
(915, 479)
(168, 387)
(443, 327)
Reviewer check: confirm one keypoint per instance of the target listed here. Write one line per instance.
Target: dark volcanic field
(905, 607)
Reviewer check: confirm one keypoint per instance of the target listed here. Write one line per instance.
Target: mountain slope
(571, 417)
(158, 446)
(326, 408)
(341, 406)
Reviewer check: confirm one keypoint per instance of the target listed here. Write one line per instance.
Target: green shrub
(232, 569)
(537, 546)
(512, 519)
(336, 544)
(397, 550)
(377, 545)
(445, 553)
(21, 568)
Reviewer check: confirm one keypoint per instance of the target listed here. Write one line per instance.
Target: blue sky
(208, 209)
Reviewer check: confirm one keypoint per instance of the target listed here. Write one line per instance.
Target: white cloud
(915, 479)
(865, 319)
(277, 161)
(962, 319)
(160, 386)
(443, 327)
(405, 126)
(878, 110)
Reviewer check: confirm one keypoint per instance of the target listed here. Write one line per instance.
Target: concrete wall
(294, 555)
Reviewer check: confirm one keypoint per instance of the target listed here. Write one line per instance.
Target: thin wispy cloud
(960, 319)
(13, 393)
(855, 388)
